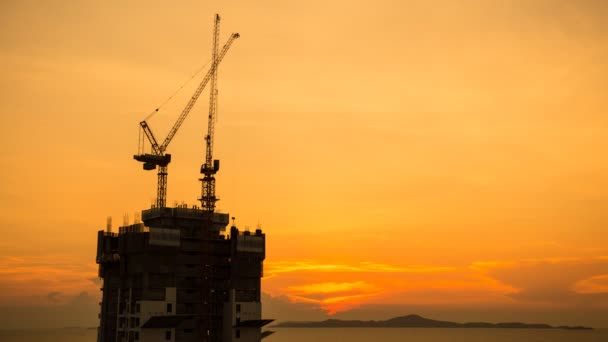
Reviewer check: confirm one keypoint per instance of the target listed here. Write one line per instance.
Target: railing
(184, 212)
(134, 228)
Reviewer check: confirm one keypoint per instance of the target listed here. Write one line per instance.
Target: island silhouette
(416, 321)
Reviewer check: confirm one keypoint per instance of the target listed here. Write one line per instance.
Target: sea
(352, 335)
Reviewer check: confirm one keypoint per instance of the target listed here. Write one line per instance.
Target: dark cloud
(283, 309)
(80, 310)
(553, 281)
(96, 280)
(54, 297)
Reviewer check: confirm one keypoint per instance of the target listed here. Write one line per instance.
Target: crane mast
(158, 158)
(211, 166)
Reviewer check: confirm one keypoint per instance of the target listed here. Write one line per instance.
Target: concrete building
(178, 276)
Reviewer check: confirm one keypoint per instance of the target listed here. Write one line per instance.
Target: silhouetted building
(179, 277)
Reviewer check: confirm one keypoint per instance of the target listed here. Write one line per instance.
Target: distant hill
(415, 321)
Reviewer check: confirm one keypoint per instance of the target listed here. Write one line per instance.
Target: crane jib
(198, 92)
(159, 149)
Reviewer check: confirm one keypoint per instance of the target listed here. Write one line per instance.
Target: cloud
(277, 267)
(96, 280)
(54, 296)
(330, 287)
(338, 287)
(332, 296)
(595, 284)
(283, 308)
(544, 282)
(72, 310)
(35, 280)
(557, 281)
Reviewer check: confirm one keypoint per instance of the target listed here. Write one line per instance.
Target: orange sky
(410, 153)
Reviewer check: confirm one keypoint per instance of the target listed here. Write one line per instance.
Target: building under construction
(178, 275)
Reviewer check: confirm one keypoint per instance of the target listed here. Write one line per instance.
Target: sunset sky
(445, 158)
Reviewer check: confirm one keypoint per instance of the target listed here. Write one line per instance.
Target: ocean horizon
(350, 334)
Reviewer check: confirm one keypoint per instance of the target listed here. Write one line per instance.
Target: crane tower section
(211, 166)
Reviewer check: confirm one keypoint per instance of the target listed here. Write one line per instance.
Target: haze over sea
(354, 335)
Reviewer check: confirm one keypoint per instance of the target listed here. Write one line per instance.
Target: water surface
(354, 335)
(434, 335)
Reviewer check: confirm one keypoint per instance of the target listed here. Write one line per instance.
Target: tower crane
(211, 166)
(158, 157)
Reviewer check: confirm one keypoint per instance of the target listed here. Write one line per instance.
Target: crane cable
(178, 90)
(141, 148)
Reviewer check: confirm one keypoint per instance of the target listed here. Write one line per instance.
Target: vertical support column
(118, 314)
(161, 194)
